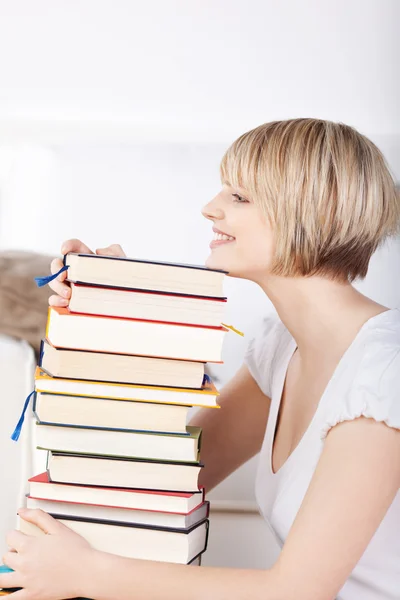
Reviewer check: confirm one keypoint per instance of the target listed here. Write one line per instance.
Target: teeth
(221, 237)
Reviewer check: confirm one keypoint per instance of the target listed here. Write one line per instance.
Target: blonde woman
(304, 204)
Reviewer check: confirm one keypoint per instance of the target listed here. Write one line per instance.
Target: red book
(151, 508)
(131, 336)
(148, 306)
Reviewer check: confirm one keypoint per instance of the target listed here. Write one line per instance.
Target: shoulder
(374, 391)
(379, 356)
(263, 349)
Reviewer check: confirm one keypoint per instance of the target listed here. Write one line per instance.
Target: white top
(365, 382)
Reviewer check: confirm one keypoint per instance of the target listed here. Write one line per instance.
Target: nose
(212, 210)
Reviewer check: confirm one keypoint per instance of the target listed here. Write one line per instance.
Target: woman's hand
(59, 285)
(47, 567)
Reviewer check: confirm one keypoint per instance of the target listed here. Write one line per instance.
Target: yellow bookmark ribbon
(233, 329)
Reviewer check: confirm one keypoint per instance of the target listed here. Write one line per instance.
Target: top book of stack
(134, 274)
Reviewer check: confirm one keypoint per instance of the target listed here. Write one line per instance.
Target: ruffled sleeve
(375, 392)
(260, 351)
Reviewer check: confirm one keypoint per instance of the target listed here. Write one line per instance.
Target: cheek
(257, 247)
(256, 257)
(249, 256)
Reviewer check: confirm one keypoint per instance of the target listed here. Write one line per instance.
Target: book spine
(41, 353)
(48, 322)
(199, 555)
(148, 432)
(207, 532)
(34, 412)
(34, 405)
(47, 464)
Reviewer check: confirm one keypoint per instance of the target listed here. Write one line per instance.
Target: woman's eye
(239, 198)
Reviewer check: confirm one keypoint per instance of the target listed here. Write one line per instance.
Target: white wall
(114, 116)
(198, 69)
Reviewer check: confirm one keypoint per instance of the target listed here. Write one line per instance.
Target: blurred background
(114, 116)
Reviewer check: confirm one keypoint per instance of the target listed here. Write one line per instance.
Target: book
(175, 278)
(116, 414)
(117, 368)
(130, 336)
(206, 396)
(117, 442)
(136, 541)
(41, 487)
(147, 306)
(133, 516)
(123, 473)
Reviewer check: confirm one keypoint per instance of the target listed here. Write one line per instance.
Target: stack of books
(118, 373)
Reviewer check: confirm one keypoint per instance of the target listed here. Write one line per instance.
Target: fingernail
(65, 293)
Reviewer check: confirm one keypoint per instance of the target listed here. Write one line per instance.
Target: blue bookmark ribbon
(17, 430)
(41, 281)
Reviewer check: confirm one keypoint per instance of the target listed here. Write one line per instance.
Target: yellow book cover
(205, 397)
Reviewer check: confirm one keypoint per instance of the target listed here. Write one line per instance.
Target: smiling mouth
(222, 237)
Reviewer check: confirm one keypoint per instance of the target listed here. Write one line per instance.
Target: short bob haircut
(325, 189)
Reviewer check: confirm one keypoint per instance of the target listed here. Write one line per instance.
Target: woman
(303, 206)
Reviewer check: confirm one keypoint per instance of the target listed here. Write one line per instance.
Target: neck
(322, 315)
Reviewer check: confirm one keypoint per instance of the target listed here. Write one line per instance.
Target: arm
(234, 433)
(330, 533)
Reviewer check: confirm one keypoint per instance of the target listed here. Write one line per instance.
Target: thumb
(113, 250)
(41, 519)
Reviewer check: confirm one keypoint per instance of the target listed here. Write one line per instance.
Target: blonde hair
(325, 189)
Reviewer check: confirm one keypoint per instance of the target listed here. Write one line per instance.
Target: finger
(41, 519)
(16, 540)
(56, 300)
(11, 560)
(61, 289)
(10, 580)
(113, 250)
(55, 265)
(75, 245)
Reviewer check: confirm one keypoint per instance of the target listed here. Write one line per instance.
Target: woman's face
(243, 242)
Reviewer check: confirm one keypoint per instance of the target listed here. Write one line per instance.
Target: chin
(213, 262)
